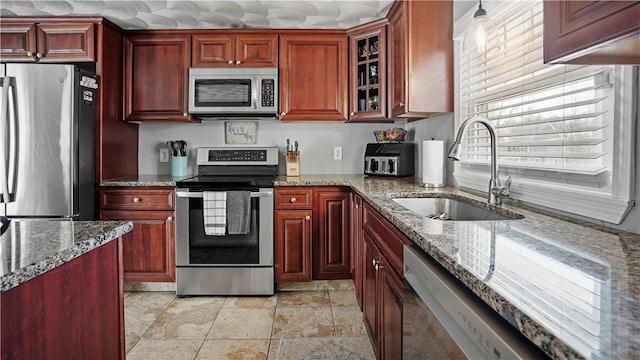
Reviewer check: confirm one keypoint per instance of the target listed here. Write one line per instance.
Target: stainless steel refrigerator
(47, 141)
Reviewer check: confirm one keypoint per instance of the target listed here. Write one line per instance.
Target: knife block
(293, 163)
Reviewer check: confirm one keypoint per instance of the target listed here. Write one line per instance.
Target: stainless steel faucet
(496, 191)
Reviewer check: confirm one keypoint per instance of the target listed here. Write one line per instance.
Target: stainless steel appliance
(233, 91)
(442, 319)
(227, 264)
(389, 159)
(47, 141)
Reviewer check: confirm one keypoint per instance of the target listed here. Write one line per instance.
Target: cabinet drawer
(137, 199)
(386, 236)
(293, 197)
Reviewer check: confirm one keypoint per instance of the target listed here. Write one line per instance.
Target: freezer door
(46, 178)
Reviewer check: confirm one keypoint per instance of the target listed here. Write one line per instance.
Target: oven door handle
(257, 194)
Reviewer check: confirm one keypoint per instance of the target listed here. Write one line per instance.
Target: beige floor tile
(234, 349)
(141, 310)
(304, 299)
(186, 318)
(302, 322)
(243, 323)
(348, 321)
(340, 285)
(165, 350)
(274, 344)
(343, 298)
(251, 302)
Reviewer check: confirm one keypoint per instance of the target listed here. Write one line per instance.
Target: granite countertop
(572, 289)
(144, 180)
(32, 247)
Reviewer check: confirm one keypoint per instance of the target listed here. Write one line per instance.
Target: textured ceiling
(217, 14)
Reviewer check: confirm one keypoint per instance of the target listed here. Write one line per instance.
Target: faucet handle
(505, 191)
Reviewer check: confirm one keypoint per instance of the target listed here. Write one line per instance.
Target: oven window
(227, 249)
(225, 93)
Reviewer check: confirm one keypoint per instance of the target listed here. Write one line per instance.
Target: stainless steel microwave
(233, 92)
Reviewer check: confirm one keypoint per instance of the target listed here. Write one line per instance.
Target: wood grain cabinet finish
(420, 58)
(331, 245)
(592, 32)
(224, 49)
(357, 245)
(47, 42)
(156, 77)
(313, 76)
(148, 250)
(293, 245)
(75, 311)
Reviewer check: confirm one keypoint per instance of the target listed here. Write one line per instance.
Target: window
(556, 124)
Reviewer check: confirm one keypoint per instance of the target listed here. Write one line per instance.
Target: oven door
(194, 248)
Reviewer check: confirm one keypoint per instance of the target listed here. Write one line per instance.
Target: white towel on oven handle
(214, 212)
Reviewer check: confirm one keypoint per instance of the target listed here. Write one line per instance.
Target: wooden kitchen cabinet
(368, 72)
(420, 58)
(225, 49)
(313, 75)
(293, 231)
(47, 41)
(357, 245)
(148, 250)
(592, 32)
(156, 77)
(382, 286)
(331, 246)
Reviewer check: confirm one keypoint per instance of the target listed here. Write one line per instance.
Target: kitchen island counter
(572, 289)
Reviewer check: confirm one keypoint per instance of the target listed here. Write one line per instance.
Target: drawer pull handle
(293, 199)
(136, 200)
(307, 217)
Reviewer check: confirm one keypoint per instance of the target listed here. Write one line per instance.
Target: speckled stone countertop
(572, 289)
(32, 247)
(144, 180)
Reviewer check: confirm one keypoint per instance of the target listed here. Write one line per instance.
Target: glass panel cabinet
(368, 72)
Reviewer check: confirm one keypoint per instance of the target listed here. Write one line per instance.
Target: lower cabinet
(312, 233)
(357, 240)
(148, 250)
(382, 284)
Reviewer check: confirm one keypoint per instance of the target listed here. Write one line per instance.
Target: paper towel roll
(433, 163)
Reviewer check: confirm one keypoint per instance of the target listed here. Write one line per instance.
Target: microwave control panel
(268, 92)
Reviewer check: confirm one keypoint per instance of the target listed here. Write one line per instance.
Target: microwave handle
(257, 194)
(257, 92)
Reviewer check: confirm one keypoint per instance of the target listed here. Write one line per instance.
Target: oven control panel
(237, 155)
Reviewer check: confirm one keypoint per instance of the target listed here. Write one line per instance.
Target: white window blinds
(548, 117)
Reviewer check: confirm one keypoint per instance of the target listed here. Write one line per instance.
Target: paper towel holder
(433, 175)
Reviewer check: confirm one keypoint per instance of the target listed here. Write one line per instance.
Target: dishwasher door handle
(188, 194)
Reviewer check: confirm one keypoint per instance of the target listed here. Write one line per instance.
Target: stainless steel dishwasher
(442, 319)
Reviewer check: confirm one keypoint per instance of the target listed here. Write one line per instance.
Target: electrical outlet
(337, 153)
(164, 155)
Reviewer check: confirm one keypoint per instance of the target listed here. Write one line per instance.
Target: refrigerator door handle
(4, 137)
(14, 139)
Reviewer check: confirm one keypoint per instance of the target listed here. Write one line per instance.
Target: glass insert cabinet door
(368, 74)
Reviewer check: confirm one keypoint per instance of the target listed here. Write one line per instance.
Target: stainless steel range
(224, 223)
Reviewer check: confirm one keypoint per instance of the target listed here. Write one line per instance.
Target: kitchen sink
(454, 210)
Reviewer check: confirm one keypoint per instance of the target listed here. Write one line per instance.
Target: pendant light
(475, 38)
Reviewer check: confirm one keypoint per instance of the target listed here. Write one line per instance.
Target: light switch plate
(337, 153)
(164, 155)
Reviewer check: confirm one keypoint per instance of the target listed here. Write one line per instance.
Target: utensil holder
(293, 163)
(178, 166)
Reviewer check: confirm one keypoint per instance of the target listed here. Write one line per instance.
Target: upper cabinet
(222, 49)
(420, 55)
(368, 72)
(156, 77)
(313, 75)
(592, 32)
(55, 41)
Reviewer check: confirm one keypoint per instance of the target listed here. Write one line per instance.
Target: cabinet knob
(185, 114)
(353, 113)
(400, 103)
(38, 55)
(307, 217)
(169, 218)
(29, 54)
(293, 199)
(238, 62)
(136, 200)
(230, 61)
(282, 113)
(356, 206)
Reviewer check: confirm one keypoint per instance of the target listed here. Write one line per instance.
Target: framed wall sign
(240, 132)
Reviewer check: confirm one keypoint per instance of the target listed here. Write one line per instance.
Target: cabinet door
(65, 42)
(213, 50)
(397, 60)
(391, 286)
(18, 42)
(357, 245)
(293, 245)
(257, 50)
(148, 250)
(313, 77)
(331, 249)
(156, 74)
(368, 71)
(574, 31)
(370, 291)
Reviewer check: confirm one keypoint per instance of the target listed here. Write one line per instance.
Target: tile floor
(159, 325)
